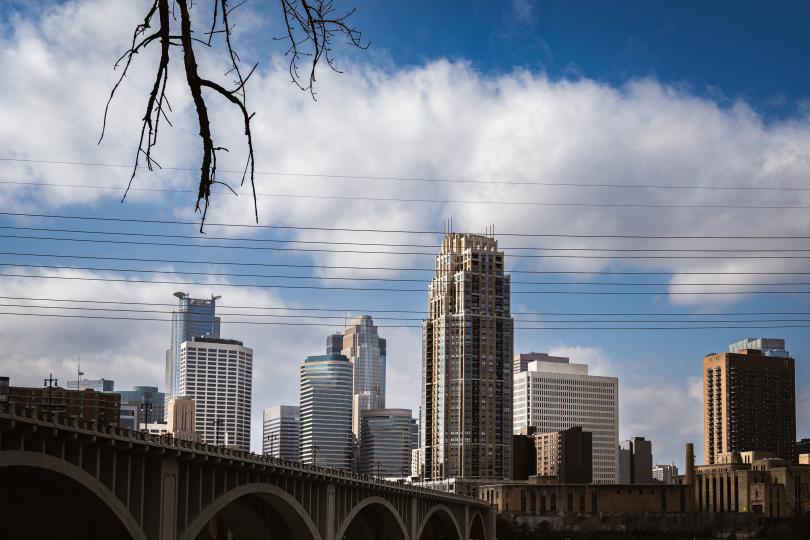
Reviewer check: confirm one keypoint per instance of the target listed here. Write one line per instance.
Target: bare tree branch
(310, 27)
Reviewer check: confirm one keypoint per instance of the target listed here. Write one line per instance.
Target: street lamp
(272, 438)
(49, 383)
(315, 449)
(218, 421)
(146, 408)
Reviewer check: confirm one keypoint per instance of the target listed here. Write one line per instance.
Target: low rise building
(104, 408)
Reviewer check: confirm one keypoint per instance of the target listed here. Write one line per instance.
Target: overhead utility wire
(422, 312)
(397, 231)
(384, 268)
(327, 325)
(397, 253)
(400, 200)
(426, 179)
(394, 280)
(384, 244)
(386, 289)
(192, 317)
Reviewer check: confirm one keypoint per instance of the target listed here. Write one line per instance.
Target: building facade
(565, 455)
(385, 442)
(182, 422)
(635, 461)
(366, 350)
(326, 411)
(218, 375)
(194, 317)
(557, 395)
(467, 346)
(137, 402)
(521, 361)
(99, 385)
(282, 431)
(104, 408)
(664, 474)
(749, 404)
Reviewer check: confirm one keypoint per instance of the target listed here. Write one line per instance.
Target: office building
(521, 361)
(664, 474)
(557, 395)
(417, 463)
(414, 433)
(4, 383)
(103, 408)
(385, 442)
(334, 344)
(194, 317)
(142, 404)
(566, 456)
(524, 455)
(182, 423)
(467, 346)
(749, 404)
(366, 351)
(99, 385)
(635, 461)
(282, 431)
(155, 428)
(218, 375)
(326, 411)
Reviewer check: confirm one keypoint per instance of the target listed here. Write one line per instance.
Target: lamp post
(315, 449)
(272, 438)
(218, 421)
(49, 383)
(146, 408)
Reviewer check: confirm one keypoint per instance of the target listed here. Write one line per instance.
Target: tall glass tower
(325, 412)
(194, 317)
(366, 350)
(467, 345)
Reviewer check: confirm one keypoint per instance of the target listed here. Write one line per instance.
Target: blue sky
(588, 92)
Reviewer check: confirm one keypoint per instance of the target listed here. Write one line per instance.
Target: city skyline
(634, 110)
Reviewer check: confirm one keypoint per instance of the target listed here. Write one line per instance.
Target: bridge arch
(439, 514)
(389, 517)
(294, 515)
(97, 491)
(477, 529)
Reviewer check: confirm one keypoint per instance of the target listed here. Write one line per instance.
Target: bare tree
(310, 27)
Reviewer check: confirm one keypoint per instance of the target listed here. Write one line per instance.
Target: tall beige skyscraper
(467, 345)
(366, 350)
(749, 397)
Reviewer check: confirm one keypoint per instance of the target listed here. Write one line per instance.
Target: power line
(422, 312)
(397, 253)
(287, 323)
(192, 317)
(397, 231)
(384, 244)
(395, 280)
(429, 180)
(387, 268)
(387, 289)
(401, 200)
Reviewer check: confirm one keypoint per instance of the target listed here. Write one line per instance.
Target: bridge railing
(75, 422)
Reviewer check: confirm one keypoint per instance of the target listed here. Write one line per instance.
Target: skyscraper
(326, 411)
(366, 351)
(282, 432)
(556, 395)
(194, 317)
(218, 375)
(385, 442)
(467, 344)
(635, 461)
(749, 402)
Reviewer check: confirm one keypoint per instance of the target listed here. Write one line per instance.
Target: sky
(523, 105)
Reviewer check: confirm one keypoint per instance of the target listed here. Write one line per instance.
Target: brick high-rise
(749, 403)
(467, 345)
